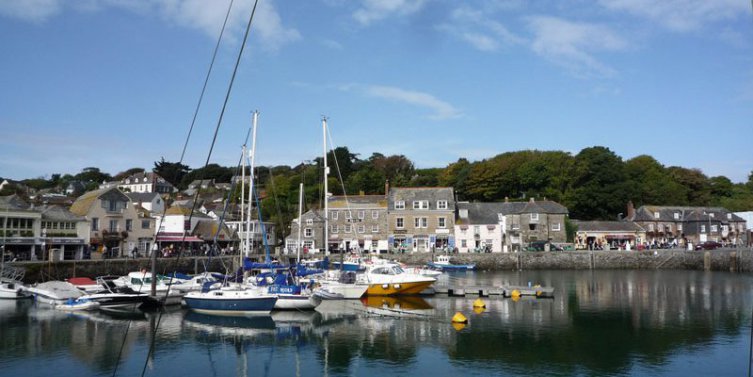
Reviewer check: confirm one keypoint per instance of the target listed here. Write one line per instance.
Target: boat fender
(459, 318)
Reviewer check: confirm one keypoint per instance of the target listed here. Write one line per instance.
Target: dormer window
(441, 204)
(729, 216)
(420, 204)
(400, 204)
(534, 217)
(677, 215)
(711, 215)
(656, 215)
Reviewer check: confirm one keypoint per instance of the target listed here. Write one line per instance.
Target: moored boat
(231, 301)
(389, 280)
(443, 263)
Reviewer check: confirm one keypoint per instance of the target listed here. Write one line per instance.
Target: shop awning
(620, 237)
(179, 239)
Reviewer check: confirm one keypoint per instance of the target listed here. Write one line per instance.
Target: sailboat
(234, 299)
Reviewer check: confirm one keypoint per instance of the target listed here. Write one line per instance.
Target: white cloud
(30, 10)
(479, 31)
(375, 10)
(202, 15)
(572, 45)
(682, 15)
(442, 110)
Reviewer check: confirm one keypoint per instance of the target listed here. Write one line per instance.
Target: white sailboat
(235, 299)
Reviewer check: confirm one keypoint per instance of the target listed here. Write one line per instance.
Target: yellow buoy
(538, 293)
(459, 318)
(479, 303)
(478, 309)
(515, 298)
(458, 326)
(515, 293)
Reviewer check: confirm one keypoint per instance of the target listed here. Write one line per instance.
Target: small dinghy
(72, 305)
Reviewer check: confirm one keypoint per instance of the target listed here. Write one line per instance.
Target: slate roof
(358, 201)
(206, 230)
(58, 213)
(488, 212)
(607, 226)
(431, 194)
(666, 213)
(142, 196)
(13, 203)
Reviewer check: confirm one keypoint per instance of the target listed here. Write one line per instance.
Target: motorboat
(443, 263)
(54, 292)
(290, 293)
(113, 298)
(341, 285)
(235, 300)
(85, 284)
(141, 281)
(189, 283)
(391, 279)
(78, 304)
(11, 286)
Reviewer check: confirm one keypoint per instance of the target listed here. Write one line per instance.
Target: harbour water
(643, 323)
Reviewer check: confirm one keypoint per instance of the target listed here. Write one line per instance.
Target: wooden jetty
(486, 291)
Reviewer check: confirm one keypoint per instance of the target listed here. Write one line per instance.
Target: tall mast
(326, 190)
(243, 228)
(252, 154)
(300, 222)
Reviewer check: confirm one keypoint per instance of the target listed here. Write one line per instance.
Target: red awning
(178, 239)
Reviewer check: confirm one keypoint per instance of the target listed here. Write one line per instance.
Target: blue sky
(114, 83)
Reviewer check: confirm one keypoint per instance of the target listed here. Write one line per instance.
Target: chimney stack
(386, 187)
(630, 210)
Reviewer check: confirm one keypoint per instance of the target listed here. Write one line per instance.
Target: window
(534, 217)
(334, 215)
(374, 244)
(651, 227)
(679, 227)
(713, 229)
(112, 205)
(421, 222)
(441, 204)
(677, 215)
(334, 228)
(400, 204)
(420, 204)
(347, 228)
(476, 229)
(361, 229)
(703, 228)
(374, 214)
(515, 226)
(145, 224)
(375, 229)
(532, 226)
(129, 225)
(729, 216)
(556, 227)
(656, 215)
(308, 244)
(399, 223)
(463, 243)
(309, 222)
(308, 232)
(442, 223)
(348, 215)
(113, 225)
(361, 214)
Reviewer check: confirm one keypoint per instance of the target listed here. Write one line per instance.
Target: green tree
(598, 189)
(172, 172)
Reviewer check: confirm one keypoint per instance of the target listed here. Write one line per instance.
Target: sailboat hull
(231, 305)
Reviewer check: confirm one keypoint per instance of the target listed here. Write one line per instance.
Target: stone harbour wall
(734, 260)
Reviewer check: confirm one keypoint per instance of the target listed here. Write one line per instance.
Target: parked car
(541, 246)
(708, 245)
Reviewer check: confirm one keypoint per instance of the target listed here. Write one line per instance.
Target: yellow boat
(392, 280)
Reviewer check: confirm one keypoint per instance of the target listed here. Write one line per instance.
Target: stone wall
(735, 260)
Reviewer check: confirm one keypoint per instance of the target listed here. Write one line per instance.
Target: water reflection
(604, 322)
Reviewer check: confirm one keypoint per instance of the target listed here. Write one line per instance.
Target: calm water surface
(643, 323)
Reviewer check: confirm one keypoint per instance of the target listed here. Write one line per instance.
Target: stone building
(678, 225)
(358, 222)
(608, 235)
(117, 227)
(421, 219)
